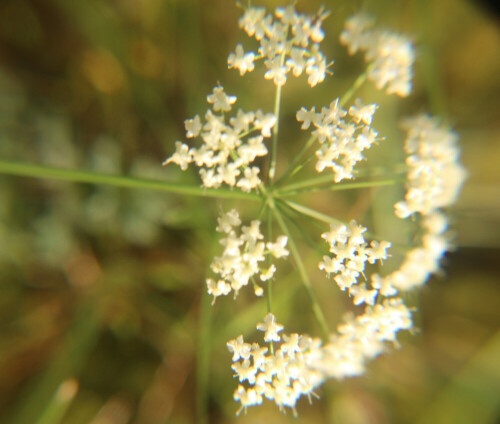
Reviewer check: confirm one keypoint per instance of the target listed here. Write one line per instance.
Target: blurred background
(104, 317)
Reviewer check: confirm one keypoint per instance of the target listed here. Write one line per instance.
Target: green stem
(274, 146)
(269, 283)
(315, 184)
(59, 404)
(319, 216)
(289, 214)
(296, 164)
(41, 171)
(318, 313)
(312, 213)
(355, 86)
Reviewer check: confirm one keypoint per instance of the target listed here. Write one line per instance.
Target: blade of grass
(80, 339)
(59, 404)
(203, 359)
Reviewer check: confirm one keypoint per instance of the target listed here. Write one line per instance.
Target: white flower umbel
(342, 142)
(299, 364)
(243, 255)
(227, 151)
(289, 42)
(362, 338)
(435, 176)
(351, 252)
(282, 376)
(391, 56)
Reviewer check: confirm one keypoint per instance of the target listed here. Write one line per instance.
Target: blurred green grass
(103, 309)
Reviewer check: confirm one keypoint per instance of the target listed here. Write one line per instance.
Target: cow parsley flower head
(391, 56)
(342, 141)
(351, 252)
(281, 375)
(291, 365)
(435, 176)
(243, 256)
(289, 43)
(228, 150)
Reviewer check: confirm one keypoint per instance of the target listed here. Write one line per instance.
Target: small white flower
(193, 127)
(276, 71)
(268, 274)
(316, 69)
(181, 157)
(241, 60)
(265, 122)
(239, 348)
(220, 100)
(354, 35)
(306, 117)
(278, 249)
(361, 112)
(228, 221)
(271, 328)
(252, 19)
(219, 288)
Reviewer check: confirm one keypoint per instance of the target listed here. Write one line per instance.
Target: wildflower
(221, 100)
(295, 364)
(227, 151)
(285, 43)
(241, 60)
(341, 143)
(435, 176)
(282, 376)
(243, 253)
(361, 112)
(271, 328)
(239, 348)
(391, 56)
(348, 245)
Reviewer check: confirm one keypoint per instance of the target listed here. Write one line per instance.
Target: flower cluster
(351, 252)
(435, 176)
(282, 375)
(341, 142)
(362, 338)
(420, 261)
(227, 150)
(294, 365)
(391, 55)
(288, 44)
(243, 253)
(300, 364)
(434, 179)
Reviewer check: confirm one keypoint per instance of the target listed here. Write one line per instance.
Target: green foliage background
(102, 288)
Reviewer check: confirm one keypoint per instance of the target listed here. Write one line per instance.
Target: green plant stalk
(318, 313)
(286, 211)
(274, 145)
(315, 184)
(41, 171)
(269, 283)
(296, 164)
(312, 213)
(56, 409)
(355, 86)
